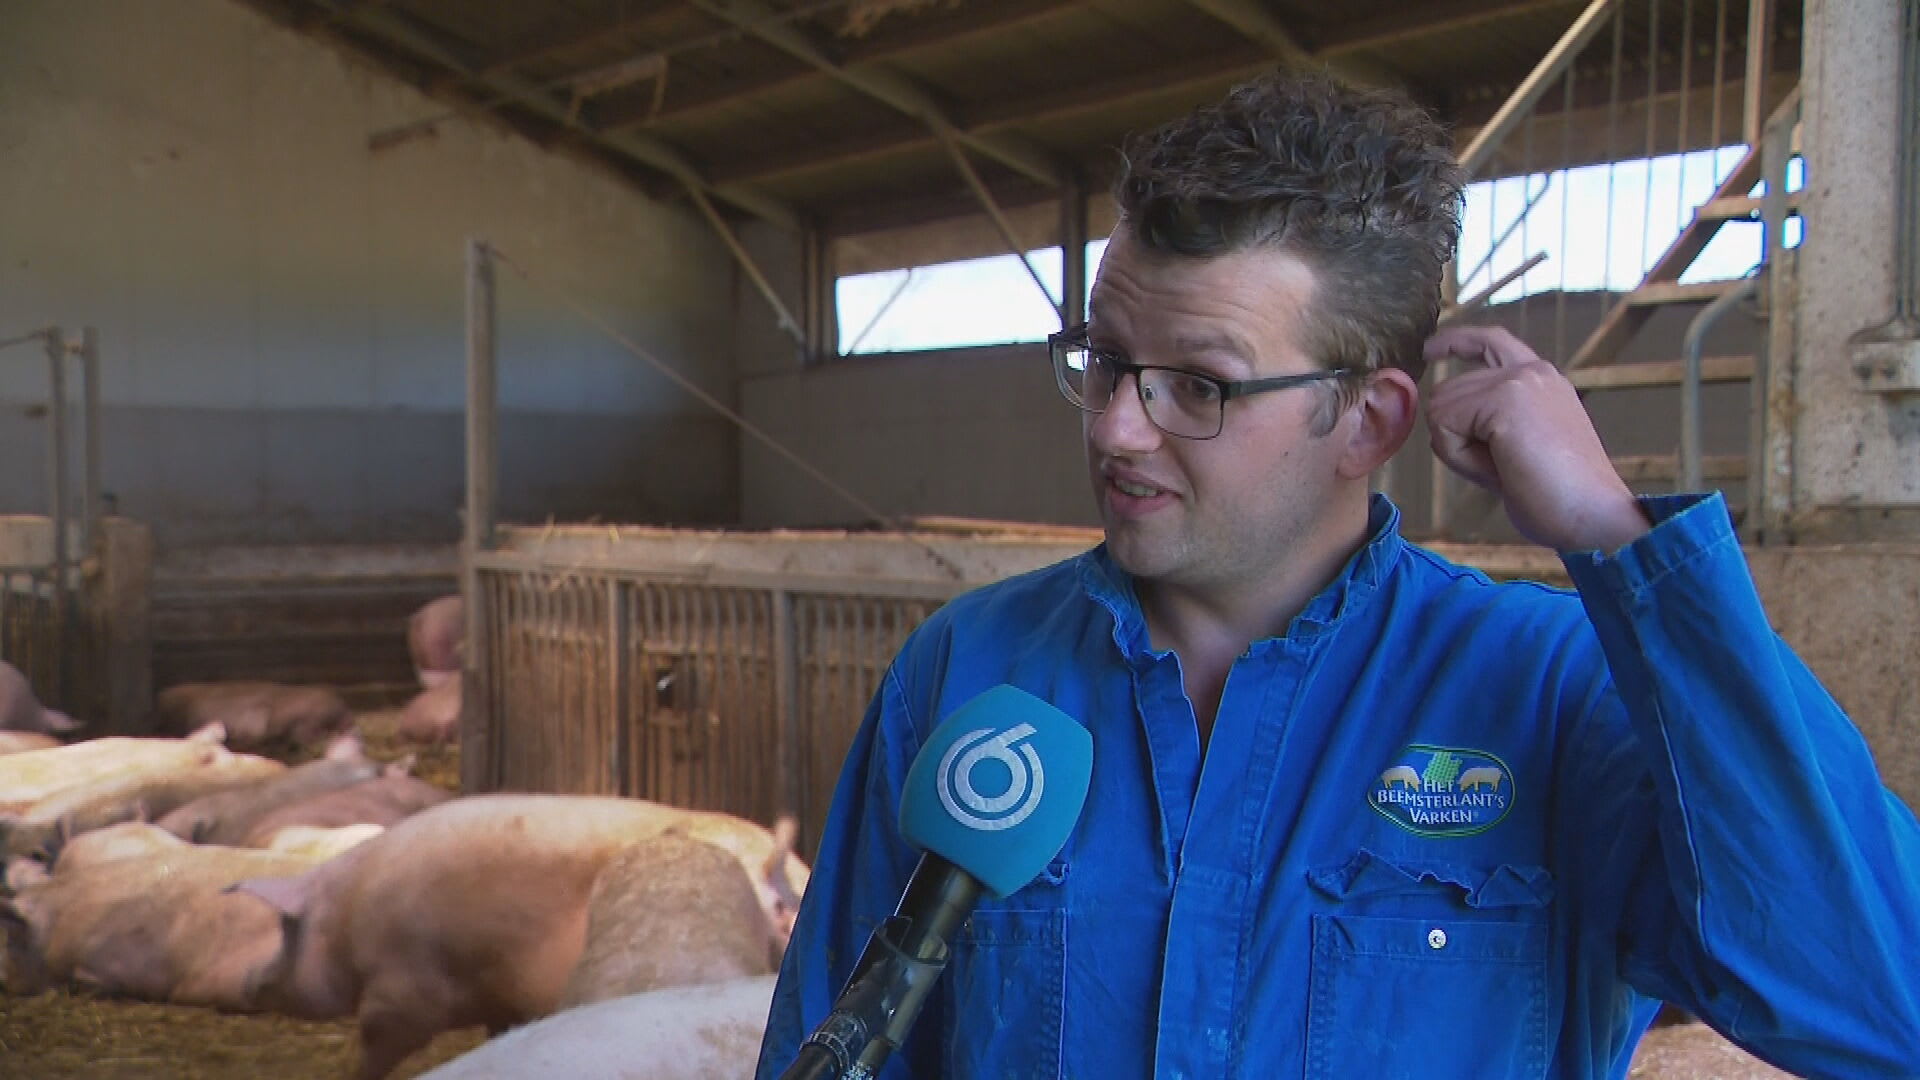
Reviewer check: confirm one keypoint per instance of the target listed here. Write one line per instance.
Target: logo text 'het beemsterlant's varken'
(1443, 790)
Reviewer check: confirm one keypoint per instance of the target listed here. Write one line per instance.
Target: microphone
(990, 800)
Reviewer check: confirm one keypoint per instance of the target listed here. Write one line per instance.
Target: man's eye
(1196, 389)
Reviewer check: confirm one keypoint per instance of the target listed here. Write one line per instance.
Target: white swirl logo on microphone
(990, 813)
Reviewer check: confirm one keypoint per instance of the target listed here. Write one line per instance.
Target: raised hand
(1514, 425)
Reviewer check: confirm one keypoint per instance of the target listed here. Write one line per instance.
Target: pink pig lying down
(672, 910)
(149, 919)
(28, 778)
(709, 1032)
(94, 802)
(14, 742)
(383, 800)
(20, 710)
(476, 912)
(258, 716)
(229, 817)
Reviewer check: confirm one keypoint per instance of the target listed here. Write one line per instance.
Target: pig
(113, 842)
(472, 912)
(228, 817)
(433, 716)
(20, 710)
(671, 911)
(710, 1032)
(122, 797)
(29, 777)
(383, 800)
(320, 843)
(14, 742)
(260, 717)
(159, 927)
(436, 636)
(73, 853)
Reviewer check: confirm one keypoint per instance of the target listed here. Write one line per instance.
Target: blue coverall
(1444, 827)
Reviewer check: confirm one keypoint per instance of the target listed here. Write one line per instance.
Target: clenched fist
(1514, 425)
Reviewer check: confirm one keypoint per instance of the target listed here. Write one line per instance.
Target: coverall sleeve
(859, 873)
(1766, 879)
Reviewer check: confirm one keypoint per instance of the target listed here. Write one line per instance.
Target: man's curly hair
(1361, 184)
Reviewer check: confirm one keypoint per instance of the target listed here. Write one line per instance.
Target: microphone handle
(893, 977)
(815, 1062)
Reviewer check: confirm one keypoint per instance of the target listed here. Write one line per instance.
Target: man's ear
(1381, 421)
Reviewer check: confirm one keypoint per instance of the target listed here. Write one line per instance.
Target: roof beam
(1258, 25)
(981, 19)
(398, 30)
(1229, 67)
(883, 86)
(566, 41)
(995, 116)
(1435, 17)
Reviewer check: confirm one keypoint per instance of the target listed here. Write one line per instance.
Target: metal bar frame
(480, 764)
(90, 436)
(1691, 347)
(57, 483)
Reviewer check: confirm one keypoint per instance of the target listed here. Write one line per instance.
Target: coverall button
(1436, 938)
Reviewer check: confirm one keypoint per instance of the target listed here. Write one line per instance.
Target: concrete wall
(984, 433)
(1854, 454)
(281, 308)
(1852, 612)
(974, 432)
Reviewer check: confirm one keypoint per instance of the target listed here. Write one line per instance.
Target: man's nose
(1125, 426)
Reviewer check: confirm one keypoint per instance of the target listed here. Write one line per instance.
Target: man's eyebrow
(1203, 342)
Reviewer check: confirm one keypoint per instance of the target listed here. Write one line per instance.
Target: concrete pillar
(119, 602)
(1856, 451)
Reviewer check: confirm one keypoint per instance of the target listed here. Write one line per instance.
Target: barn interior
(312, 311)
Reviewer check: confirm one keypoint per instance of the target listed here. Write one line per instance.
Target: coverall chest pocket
(1448, 979)
(1007, 985)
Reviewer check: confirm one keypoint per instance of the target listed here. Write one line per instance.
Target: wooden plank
(1741, 207)
(1660, 373)
(1641, 468)
(1672, 292)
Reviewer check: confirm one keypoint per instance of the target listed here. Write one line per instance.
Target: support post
(1753, 112)
(479, 752)
(121, 599)
(57, 485)
(620, 687)
(818, 303)
(1073, 252)
(786, 698)
(90, 436)
(1770, 475)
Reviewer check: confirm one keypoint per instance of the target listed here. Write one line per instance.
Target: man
(1355, 811)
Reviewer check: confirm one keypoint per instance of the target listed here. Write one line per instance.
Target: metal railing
(1628, 84)
(41, 629)
(733, 692)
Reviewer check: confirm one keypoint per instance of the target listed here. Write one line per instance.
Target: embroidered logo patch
(1443, 790)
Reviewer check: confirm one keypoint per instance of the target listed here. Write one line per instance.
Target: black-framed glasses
(1179, 402)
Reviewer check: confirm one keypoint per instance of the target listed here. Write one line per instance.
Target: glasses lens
(1084, 379)
(1181, 403)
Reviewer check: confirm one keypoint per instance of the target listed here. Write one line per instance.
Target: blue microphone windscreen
(998, 787)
